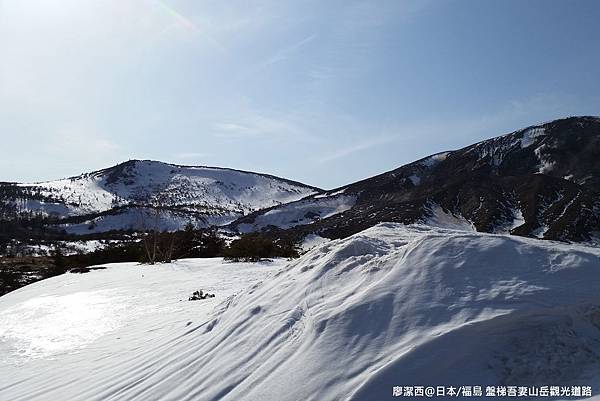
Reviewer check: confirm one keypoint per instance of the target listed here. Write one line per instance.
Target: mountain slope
(542, 181)
(394, 305)
(127, 195)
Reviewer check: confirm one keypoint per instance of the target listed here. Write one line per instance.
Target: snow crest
(393, 305)
(118, 198)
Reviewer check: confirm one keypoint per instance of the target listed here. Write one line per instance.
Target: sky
(323, 92)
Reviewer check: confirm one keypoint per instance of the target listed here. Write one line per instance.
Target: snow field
(392, 305)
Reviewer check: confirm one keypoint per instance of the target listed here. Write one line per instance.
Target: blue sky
(324, 92)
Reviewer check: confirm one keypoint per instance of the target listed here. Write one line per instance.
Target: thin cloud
(256, 125)
(189, 25)
(456, 133)
(191, 156)
(361, 146)
(279, 56)
(286, 52)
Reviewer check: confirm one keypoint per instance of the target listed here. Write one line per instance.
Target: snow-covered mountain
(127, 196)
(542, 181)
(393, 306)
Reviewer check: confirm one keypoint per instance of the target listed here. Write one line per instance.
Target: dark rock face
(542, 181)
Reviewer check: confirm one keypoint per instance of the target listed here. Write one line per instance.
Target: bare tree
(151, 236)
(158, 246)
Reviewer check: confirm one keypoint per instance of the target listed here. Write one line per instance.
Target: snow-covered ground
(142, 219)
(142, 180)
(391, 306)
(438, 217)
(200, 195)
(302, 212)
(67, 247)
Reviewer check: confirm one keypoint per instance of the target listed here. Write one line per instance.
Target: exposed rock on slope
(125, 196)
(542, 181)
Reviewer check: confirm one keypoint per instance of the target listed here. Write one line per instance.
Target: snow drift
(302, 212)
(393, 305)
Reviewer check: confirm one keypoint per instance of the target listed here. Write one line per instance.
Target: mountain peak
(540, 181)
(121, 197)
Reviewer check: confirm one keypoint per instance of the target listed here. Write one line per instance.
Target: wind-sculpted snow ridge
(393, 305)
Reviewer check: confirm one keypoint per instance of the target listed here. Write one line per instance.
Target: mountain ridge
(201, 195)
(547, 175)
(102, 170)
(540, 181)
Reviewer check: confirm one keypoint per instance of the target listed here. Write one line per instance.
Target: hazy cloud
(290, 88)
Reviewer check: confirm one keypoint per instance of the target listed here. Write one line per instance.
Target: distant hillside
(542, 181)
(126, 196)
